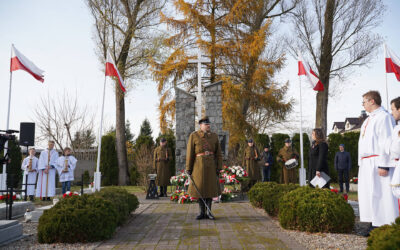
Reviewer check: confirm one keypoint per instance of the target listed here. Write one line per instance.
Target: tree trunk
(121, 138)
(321, 114)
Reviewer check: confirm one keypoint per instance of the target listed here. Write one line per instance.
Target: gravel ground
(330, 240)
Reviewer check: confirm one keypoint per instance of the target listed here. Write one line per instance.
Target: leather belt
(250, 158)
(369, 156)
(205, 153)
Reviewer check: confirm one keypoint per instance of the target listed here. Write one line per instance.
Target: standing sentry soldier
(286, 153)
(161, 158)
(203, 163)
(250, 158)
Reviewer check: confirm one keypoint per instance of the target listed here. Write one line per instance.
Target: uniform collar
(201, 133)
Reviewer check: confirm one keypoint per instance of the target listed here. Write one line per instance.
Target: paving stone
(173, 226)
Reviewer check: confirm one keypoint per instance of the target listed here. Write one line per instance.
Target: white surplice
(375, 198)
(66, 176)
(31, 175)
(394, 149)
(43, 182)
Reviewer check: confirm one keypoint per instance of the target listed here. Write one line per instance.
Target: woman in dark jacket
(318, 156)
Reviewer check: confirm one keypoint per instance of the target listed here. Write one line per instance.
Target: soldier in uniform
(250, 158)
(161, 158)
(203, 163)
(287, 153)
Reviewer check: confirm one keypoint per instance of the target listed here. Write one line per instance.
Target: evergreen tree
(108, 161)
(145, 137)
(14, 171)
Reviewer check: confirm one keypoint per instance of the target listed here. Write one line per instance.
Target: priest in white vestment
(394, 148)
(46, 185)
(375, 197)
(30, 167)
(65, 167)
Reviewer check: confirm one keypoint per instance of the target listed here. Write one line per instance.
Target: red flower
(221, 180)
(64, 195)
(334, 190)
(345, 196)
(70, 194)
(14, 197)
(1, 197)
(234, 176)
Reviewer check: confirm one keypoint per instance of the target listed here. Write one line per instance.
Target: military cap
(287, 140)
(250, 140)
(204, 120)
(163, 140)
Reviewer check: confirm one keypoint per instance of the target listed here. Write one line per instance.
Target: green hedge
(84, 218)
(385, 237)
(315, 210)
(108, 160)
(124, 202)
(256, 193)
(272, 196)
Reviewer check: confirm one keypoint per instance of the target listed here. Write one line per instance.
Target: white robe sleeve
(25, 164)
(42, 160)
(59, 165)
(384, 134)
(72, 162)
(35, 163)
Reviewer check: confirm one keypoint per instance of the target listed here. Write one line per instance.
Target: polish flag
(111, 70)
(304, 69)
(392, 62)
(19, 61)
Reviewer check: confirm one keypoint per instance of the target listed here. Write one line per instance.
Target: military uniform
(161, 158)
(250, 158)
(203, 162)
(287, 153)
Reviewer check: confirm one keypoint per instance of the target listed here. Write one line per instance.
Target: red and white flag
(304, 69)
(19, 61)
(392, 62)
(111, 70)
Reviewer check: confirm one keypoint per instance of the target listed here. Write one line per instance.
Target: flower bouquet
(227, 195)
(182, 197)
(70, 194)
(180, 180)
(232, 175)
(354, 180)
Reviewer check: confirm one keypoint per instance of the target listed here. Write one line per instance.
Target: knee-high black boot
(202, 210)
(161, 191)
(209, 215)
(165, 191)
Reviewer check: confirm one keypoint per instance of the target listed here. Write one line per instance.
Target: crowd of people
(378, 156)
(40, 174)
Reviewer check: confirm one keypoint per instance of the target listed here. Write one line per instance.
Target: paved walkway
(166, 225)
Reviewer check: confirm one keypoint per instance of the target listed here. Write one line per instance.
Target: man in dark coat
(203, 163)
(267, 161)
(343, 166)
(161, 158)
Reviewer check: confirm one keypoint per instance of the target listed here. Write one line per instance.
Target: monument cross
(199, 61)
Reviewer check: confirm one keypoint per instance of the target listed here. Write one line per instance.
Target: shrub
(84, 218)
(256, 193)
(272, 194)
(108, 161)
(315, 210)
(385, 237)
(123, 201)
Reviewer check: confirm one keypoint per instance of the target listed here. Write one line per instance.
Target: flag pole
(3, 184)
(97, 176)
(302, 170)
(387, 92)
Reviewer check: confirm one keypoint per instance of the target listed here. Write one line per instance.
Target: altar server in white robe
(30, 167)
(46, 185)
(65, 167)
(376, 201)
(395, 149)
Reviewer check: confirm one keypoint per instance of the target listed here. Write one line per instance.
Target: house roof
(339, 125)
(353, 120)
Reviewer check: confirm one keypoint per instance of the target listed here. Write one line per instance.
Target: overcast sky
(57, 37)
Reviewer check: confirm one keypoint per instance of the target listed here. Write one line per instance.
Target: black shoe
(48, 199)
(202, 211)
(209, 214)
(31, 198)
(43, 199)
